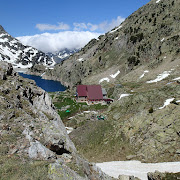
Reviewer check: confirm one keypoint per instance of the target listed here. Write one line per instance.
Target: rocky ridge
(20, 56)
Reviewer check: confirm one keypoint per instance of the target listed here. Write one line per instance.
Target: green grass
(64, 99)
(13, 168)
(171, 176)
(99, 142)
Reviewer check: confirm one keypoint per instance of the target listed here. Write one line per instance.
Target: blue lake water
(47, 85)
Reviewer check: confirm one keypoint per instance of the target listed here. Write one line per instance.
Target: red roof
(94, 92)
(82, 90)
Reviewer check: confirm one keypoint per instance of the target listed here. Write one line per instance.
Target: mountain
(12, 51)
(146, 40)
(138, 63)
(62, 55)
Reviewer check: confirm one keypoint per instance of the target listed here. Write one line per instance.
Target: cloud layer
(80, 35)
(102, 27)
(53, 42)
(60, 26)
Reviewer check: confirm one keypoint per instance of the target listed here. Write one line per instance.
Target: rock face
(30, 128)
(12, 51)
(147, 39)
(32, 106)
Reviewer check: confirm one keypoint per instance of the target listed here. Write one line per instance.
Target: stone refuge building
(92, 94)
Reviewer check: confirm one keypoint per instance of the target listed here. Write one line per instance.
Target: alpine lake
(47, 85)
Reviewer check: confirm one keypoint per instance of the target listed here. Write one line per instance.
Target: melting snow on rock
(146, 71)
(124, 95)
(158, 1)
(80, 59)
(115, 29)
(104, 79)
(114, 75)
(166, 103)
(69, 130)
(176, 79)
(160, 77)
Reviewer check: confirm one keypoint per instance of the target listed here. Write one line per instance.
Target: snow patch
(160, 77)
(115, 29)
(94, 112)
(80, 59)
(124, 95)
(114, 75)
(43, 74)
(158, 1)
(103, 79)
(69, 129)
(178, 78)
(136, 168)
(162, 39)
(166, 103)
(146, 71)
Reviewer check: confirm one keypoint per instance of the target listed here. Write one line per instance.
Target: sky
(51, 25)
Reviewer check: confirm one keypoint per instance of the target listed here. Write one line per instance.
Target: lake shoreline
(46, 84)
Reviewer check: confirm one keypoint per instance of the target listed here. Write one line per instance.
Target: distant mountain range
(20, 56)
(62, 55)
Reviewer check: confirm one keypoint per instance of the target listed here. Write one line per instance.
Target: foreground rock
(30, 129)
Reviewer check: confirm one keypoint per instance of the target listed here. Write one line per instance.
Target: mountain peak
(12, 51)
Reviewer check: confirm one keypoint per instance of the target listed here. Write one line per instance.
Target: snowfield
(20, 56)
(136, 168)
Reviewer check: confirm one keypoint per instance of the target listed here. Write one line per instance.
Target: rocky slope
(12, 51)
(138, 63)
(147, 40)
(31, 130)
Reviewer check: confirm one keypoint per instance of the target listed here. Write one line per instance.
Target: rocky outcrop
(162, 176)
(31, 128)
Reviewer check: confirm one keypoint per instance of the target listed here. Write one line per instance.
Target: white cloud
(103, 27)
(60, 26)
(52, 42)
(79, 26)
(82, 34)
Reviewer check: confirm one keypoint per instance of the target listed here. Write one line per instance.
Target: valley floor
(136, 168)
